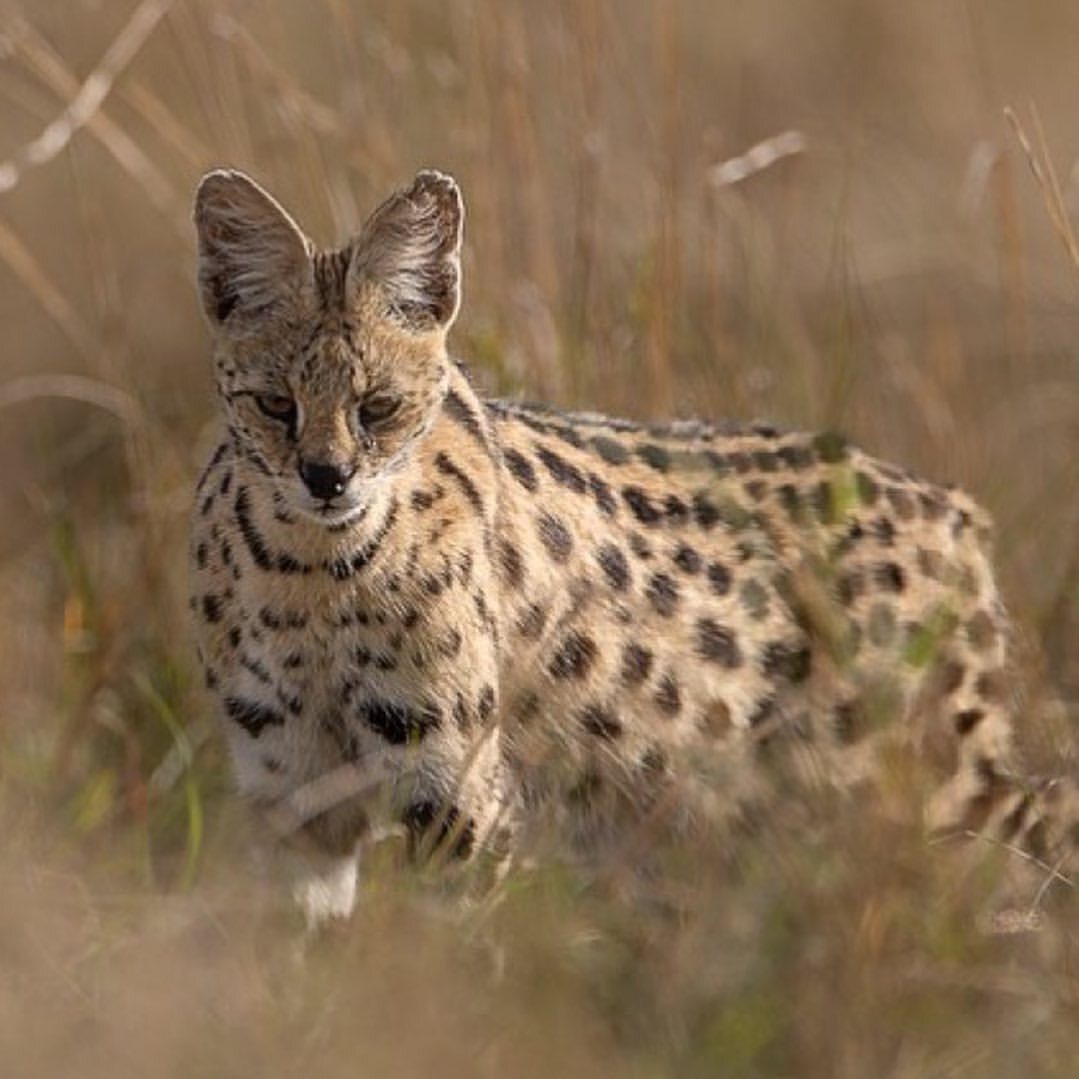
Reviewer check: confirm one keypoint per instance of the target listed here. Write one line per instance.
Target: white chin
(333, 515)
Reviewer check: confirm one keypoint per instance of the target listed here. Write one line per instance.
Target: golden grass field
(899, 276)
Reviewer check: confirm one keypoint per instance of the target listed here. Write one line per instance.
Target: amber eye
(378, 409)
(276, 406)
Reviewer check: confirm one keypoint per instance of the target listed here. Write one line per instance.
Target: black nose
(323, 481)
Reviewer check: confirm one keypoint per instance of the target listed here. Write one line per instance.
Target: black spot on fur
(655, 457)
(462, 714)
(639, 546)
(849, 587)
(789, 662)
(422, 816)
(450, 645)
(211, 607)
(509, 558)
(668, 698)
(933, 505)
(704, 511)
(287, 564)
(654, 763)
(293, 704)
(521, 469)
(967, 720)
(215, 460)
(687, 559)
(715, 719)
(555, 537)
(948, 677)
(611, 450)
(574, 657)
(636, 664)
(677, 512)
(460, 412)
(569, 436)
(884, 531)
(719, 464)
(901, 502)
(260, 553)
(601, 722)
(448, 468)
(719, 578)
(662, 593)
(615, 566)
(993, 687)
(754, 599)
(641, 506)
(961, 523)
(486, 703)
(764, 709)
(848, 723)
(717, 644)
(398, 723)
(256, 668)
(562, 471)
(981, 631)
(487, 619)
(602, 493)
(252, 716)
(348, 565)
(796, 458)
(531, 620)
(791, 501)
(890, 577)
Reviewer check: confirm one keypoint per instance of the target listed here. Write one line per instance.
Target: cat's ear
(253, 258)
(410, 249)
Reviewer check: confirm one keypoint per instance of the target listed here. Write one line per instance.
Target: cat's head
(331, 365)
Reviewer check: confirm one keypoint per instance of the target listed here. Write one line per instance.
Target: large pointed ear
(253, 258)
(410, 249)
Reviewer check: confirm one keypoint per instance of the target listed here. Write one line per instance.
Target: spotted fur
(545, 616)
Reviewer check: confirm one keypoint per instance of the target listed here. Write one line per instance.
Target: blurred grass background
(897, 277)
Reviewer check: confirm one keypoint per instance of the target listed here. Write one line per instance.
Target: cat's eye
(276, 406)
(377, 409)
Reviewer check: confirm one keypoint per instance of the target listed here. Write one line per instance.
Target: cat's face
(331, 366)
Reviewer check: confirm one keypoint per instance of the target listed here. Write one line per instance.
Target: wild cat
(501, 614)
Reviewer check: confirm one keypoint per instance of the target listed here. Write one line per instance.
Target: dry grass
(814, 213)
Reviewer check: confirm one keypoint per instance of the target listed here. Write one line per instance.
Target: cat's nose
(324, 480)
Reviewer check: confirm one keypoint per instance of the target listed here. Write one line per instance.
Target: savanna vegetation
(887, 264)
